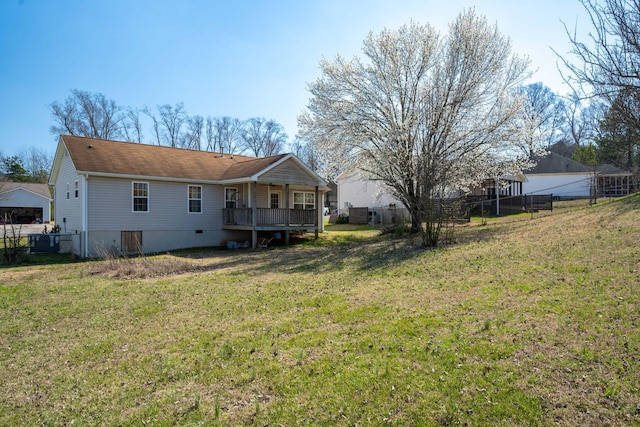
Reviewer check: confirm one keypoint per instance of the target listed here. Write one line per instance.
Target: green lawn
(519, 322)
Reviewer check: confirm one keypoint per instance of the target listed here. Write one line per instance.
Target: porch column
(317, 211)
(287, 214)
(254, 214)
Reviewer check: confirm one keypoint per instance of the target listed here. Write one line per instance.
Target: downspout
(85, 212)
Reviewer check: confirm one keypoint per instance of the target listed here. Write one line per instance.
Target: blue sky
(235, 58)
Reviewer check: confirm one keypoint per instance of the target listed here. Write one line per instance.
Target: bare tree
(610, 61)
(131, 125)
(209, 135)
(192, 138)
(263, 137)
(172, 119)
(581, 121)
(87, 114)
(426, 115)
(37, 163)
(224, 134)
(167, 125)
(543, 117)
(305, 151)
(156, 130)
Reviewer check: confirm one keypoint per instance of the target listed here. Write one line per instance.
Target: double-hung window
(140, 196)
(304, 200)
(195, 198)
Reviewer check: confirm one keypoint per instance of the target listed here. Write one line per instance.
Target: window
(195, 198)
(230, 197)
(76, 188)
(67, 190)
(140, 196)
(304, 200)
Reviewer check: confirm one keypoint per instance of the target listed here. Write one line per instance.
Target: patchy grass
(143, 267)
(521, 322)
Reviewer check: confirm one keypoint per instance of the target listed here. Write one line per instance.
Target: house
(560, 176)
(355, 191)
(123, 197)
(568, 179)
(25, 202)
(367, 201)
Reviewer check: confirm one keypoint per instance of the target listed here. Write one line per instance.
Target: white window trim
(189, 199)
(279, 193)
(304, 204)
(133, 183)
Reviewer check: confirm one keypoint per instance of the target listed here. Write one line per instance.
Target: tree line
(94, 115)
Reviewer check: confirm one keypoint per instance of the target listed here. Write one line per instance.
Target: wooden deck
(269, 219)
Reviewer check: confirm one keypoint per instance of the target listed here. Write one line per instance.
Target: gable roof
(555, 163)
(35, 188)
(117, 158)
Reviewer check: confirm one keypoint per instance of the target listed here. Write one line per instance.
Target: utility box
(44, 243)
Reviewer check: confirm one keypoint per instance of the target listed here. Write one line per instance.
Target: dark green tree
(619, 133)
(586, 154)
(13, 169)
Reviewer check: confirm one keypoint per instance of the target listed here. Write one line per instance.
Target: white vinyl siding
(68, 210)
(287, 173)
(110, 207)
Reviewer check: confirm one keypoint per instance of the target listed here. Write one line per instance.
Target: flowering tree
(426, 114)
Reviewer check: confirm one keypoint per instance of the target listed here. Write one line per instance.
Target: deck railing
(269, 217)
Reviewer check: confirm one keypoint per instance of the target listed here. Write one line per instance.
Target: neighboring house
(560, 176)
(125, 197)
(567, 179)
(355, 191)
(25, 202)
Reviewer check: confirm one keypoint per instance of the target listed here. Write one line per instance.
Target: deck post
(254, 214)
(317, 221)
(287, 215)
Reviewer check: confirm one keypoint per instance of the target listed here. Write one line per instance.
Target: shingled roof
(40, 189)
(555, 163)
(109, 157)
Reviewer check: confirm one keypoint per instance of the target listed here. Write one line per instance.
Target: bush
(342, 219)
(397, 230)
